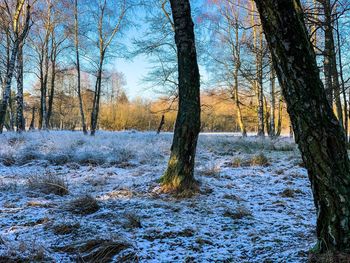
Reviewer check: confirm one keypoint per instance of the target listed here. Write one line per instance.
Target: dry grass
(65, 228)
(83, 205)
(256, 160)
(132, 221)
(102, 251)
(239, 213)
(237, 162)
(49, 184)
(211, 170)
(259, 160)
(290, 193)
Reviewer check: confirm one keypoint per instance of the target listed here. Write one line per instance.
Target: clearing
(66, 197)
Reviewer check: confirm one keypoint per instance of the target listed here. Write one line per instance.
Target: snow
(242, 214)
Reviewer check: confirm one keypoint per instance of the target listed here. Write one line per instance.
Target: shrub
(49, 184)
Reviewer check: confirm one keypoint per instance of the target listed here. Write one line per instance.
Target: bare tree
(106, 33)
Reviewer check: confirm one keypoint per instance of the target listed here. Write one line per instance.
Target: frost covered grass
(254, 203)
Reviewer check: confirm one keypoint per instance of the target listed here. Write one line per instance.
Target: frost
(239, 216)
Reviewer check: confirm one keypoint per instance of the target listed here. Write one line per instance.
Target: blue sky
(134, 71)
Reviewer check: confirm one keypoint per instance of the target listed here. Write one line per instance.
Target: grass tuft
(83, 205)
(49, 184)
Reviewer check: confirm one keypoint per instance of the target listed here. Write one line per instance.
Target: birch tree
(19, 36)
(320, 136)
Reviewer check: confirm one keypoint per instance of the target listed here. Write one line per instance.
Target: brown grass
(83, 205)
(239, 213)
(49, 184)
(101, 251)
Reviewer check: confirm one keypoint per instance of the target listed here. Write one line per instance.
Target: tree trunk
(328, 39)
(346, 115)
(179, 174)
(162, 121)
(237, 61)
(266, 116)
(52, 83)
(7, 89)
(76, 43)
(317, 131)
(331, 59)
(258, 79)
(12, 61)
(96, 102)
(44, 124)
(32, 123)
(279, 118)
(272, 130)
(20, 122)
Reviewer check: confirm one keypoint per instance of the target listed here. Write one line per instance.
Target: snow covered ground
(255, 203)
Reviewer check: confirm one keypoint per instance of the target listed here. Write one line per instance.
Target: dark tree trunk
(272, 130)
(76, 44)
(331, 71)
(52, 88)
(317, 131)
(96, 102)
(20, 122)
(279, 117)
(162, 121)
(179, 174)
(343, 89)
(32, 123)
(327, 62)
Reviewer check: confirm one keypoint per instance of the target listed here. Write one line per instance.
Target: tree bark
(179, 174)
(317, 131)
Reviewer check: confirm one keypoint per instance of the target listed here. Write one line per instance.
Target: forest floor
(66, 198)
